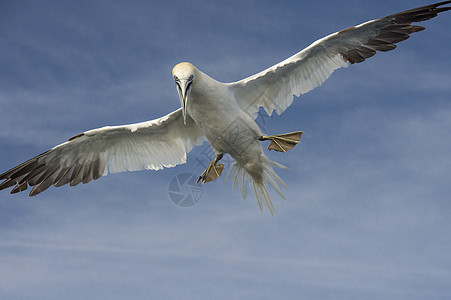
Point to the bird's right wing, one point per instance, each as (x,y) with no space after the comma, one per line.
(151,145)
(273,88)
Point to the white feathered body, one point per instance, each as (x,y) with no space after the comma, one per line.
(229,129)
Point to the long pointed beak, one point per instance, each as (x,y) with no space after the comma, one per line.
(184,89)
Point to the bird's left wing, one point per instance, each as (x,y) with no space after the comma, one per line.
(273,88)
(155,144)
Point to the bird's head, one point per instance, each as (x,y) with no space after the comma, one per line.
(183,74)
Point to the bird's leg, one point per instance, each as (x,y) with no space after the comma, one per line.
(213,170)
(282,142)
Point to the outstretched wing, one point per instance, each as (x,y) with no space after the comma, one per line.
(155,144)
(273,88)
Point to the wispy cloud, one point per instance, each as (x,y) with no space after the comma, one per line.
(366,215)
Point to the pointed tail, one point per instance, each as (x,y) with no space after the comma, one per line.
(242,177)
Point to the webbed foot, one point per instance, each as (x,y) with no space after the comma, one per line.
(212,172)
(282,142)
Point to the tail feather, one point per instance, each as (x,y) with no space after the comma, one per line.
(242,178)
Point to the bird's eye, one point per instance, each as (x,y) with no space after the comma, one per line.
(191,77)
(176,78)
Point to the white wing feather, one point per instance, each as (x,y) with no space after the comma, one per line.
(274,88)
(151,145)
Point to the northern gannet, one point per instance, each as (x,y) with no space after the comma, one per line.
(221,113)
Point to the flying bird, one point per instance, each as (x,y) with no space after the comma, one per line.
(221,113)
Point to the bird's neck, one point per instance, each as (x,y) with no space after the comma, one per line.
(208,97)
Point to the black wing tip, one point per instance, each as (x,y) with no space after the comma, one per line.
(397,31)
(7,183)
(20,187)
(11,172)
(442,9)
(41,176)
(420,14)
(431,7)
(442,3)
(34,192)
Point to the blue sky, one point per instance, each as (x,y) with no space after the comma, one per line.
(367,212)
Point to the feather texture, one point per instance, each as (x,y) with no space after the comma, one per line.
(274,88)
(152,145)
(242,178)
